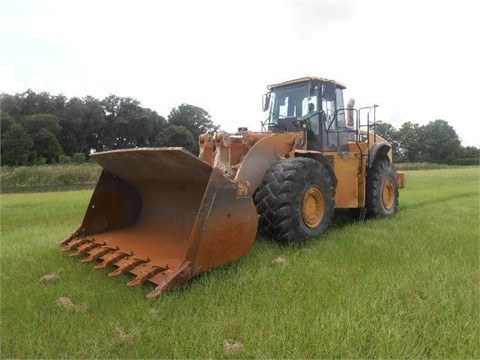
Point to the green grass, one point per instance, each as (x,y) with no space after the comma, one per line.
(405,287)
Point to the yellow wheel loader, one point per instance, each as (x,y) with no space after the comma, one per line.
(165,215)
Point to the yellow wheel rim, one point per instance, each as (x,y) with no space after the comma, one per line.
(388,194)
(313,207)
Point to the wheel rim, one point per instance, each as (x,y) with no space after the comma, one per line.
(313,207)
(388,194)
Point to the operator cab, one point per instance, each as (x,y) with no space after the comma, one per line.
(312,104)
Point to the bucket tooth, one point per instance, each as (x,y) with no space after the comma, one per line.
(170,280)
(77,234)
(111,258)
(125,265)
(97,253)
(67,239)
(76,243)
(85,248)
(144,272)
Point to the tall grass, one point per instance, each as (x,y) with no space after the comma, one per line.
(405,287)
(423,166)
(21,178)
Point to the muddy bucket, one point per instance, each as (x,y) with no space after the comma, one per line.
(165,216)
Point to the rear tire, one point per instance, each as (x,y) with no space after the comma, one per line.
(382,190)
(295,201)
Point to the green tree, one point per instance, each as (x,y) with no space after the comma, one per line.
(410,140)
(47,146)
(11,104)
(441,142)
(34,123)
(176,135)
(435,142)
(127,124)
(43,129)
(16,145)
(195,119)
(6,121)
(33,103)
(81,121)
(469,152)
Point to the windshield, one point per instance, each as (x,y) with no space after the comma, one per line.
(291,102)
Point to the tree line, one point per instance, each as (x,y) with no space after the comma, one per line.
(39,128)
(435,142)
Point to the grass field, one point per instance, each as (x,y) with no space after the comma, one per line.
(406,287)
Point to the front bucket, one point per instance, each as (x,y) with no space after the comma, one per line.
(163,215)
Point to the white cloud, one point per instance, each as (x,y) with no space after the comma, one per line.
(416,59)
(7,79)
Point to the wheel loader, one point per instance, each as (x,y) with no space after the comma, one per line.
(165,215)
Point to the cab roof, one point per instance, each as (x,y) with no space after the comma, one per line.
(305,79)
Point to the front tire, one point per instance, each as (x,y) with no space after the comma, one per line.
(382,190)
(295,201)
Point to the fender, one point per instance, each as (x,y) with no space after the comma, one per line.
(380,151)
(317,155)
(266,152)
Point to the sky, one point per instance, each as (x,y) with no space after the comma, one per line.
(416,59)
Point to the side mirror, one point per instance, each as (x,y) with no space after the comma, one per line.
(266,101)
